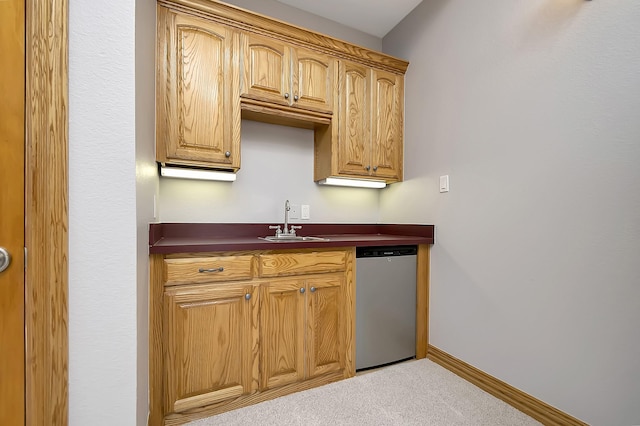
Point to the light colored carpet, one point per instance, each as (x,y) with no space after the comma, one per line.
(411,393)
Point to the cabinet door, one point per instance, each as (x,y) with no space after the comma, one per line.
(198,105)
(354,119)
(326,332)
(314,76)
(387,139)
(282,328)
(210,339)
(266,69)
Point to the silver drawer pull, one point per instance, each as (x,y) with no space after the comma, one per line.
(220,269)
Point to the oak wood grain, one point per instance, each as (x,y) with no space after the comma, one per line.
(386,138)
(12,301)
(215,268)
(354,139)
(46,233)
(282,332)
(197,92)
(208,344)
(218,346)
(157,339)
(422,301)
(280,264)
(263,25)
(325,339)
(350,314)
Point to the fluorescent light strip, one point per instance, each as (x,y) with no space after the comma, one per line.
(360,183)
(178,172)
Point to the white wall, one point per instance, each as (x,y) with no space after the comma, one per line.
(102,214)
(277,164)
(532,109)
(146,186)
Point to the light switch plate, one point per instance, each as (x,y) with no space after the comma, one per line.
(444,183)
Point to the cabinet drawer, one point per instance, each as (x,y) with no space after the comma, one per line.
(207,269)
(273,265)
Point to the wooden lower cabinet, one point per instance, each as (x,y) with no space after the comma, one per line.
(221,344)
(302,329)
(209,344)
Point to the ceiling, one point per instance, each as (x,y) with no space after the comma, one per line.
(375,17)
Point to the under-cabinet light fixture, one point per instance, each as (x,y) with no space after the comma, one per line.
(360,183)
(187,173)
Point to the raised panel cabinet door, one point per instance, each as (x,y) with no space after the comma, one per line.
(266,69)
(209,338)
(388,112)
(326,325)
(354,120)
(314,77)
(198,103)
(282,328)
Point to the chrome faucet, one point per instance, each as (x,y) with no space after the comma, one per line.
(287,231)
(287,207)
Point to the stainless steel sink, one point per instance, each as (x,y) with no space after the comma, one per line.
(292,238)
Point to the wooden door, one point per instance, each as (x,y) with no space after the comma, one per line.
(12,125)
(282,328)
(198,102)
(210,338)
(266,70)
(354,146)
(387,142)
(314,76)
(326,326)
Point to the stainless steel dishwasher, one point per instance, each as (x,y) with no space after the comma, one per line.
(385,305)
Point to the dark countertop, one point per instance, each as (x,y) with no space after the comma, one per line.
(167,238)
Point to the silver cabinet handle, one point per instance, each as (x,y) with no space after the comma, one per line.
(202,270)
(247,296)
(5,259)
(313,289)
(227,154)
(375,168)
(295,97)
(301,289)
(286,96)
(368,168)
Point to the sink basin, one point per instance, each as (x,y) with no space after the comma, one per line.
(290,238)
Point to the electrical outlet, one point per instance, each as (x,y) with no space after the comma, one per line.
(294,213)
(305,211)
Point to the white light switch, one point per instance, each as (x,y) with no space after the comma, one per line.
(444,183)
(305,211)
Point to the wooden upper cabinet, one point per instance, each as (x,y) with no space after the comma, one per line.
(198,106)
(209,347)
(354,120)
(387,139)
(365,139)
(276,72)
(266,69)
(314,77)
